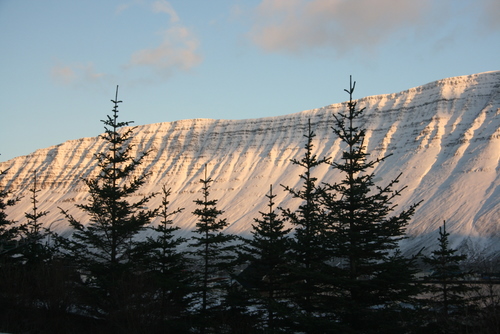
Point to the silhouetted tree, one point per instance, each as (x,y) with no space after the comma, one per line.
(33,283)
(8,230)
(309,268)
(8,276)
(267,255)
(35,246)
(487,297)
(101,247)
(214,251)
(372,280)
(166,265)
(450,293)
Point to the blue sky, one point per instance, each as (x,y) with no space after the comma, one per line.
(61,60)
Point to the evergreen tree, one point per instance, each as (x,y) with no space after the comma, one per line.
(35,247)
(33,283)
(35,263)
(168,266)
(267,255)
(102,246)
(214,250)
(309,267)
(8,230)
(372,278)
(449,291)
(8,233)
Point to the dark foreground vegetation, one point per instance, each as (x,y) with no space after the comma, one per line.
(338,269)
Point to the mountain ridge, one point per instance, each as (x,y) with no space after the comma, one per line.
(444,137)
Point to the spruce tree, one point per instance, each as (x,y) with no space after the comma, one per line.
(267,255)
(167,265)
(8,244)
(42,277)
(102,245)
(35,247)
(372,279)
(215,254)
(447,287)
(8,229)
(309,266)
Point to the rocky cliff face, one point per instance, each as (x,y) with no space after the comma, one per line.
(443,136)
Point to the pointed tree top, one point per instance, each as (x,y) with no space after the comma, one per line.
(115,101)
(351,86)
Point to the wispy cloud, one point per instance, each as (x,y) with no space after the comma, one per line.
(491,10)
(77,73)
(177,51)
(298,25)
(124,6)
(158,6)
(63,74)
(163,6)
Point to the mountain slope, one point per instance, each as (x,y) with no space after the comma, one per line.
(443,136)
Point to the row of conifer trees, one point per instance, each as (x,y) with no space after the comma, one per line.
(337,269)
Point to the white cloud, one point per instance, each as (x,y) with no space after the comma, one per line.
(158,6)
(63,74)
(163,6)
(491,10)
(177,51)
(124,6)
(78,73)
(299,25)
(90,74)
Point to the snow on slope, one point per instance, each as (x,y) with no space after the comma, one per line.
(443,136)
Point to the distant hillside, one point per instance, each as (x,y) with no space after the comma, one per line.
(443,136)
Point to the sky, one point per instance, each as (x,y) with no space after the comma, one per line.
(61,60)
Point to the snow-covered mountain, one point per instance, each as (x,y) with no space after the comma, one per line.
(443,136)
